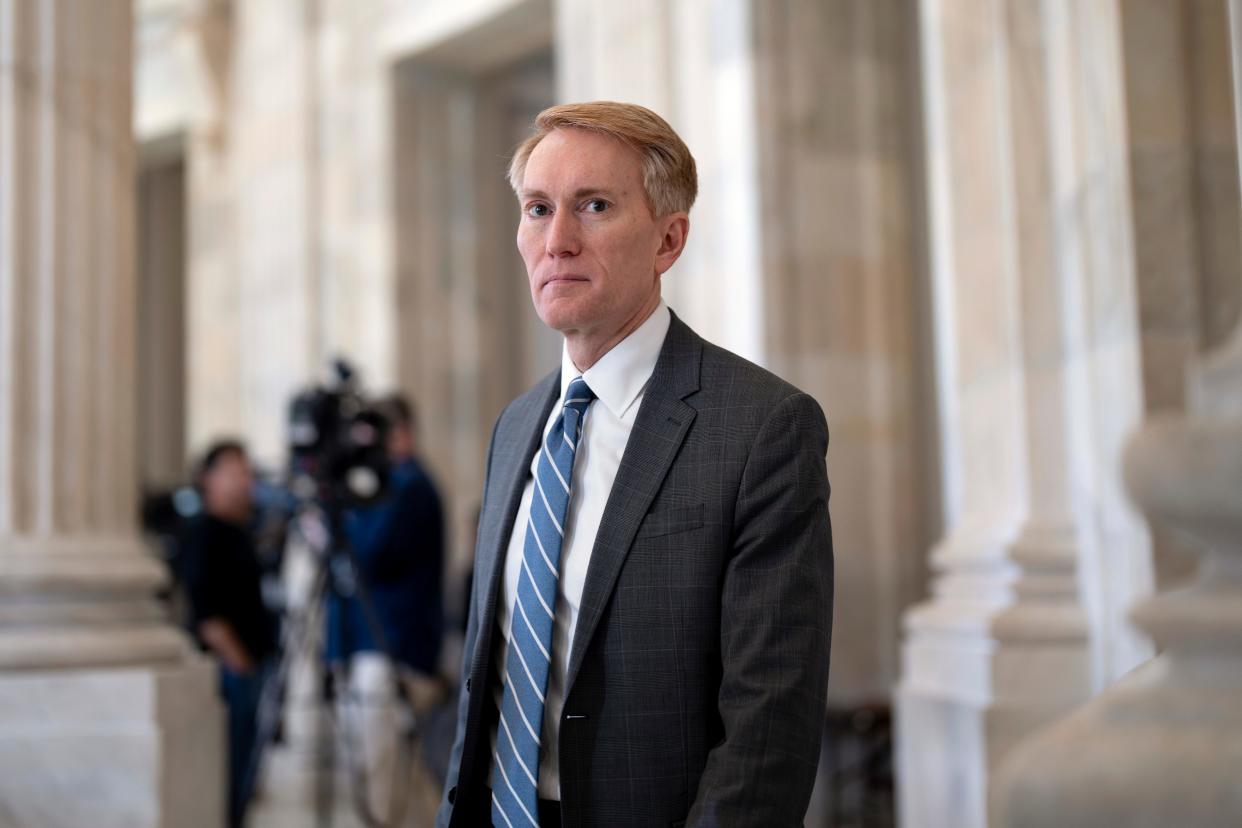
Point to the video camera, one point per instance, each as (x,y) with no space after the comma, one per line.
(338,461)
(337,444)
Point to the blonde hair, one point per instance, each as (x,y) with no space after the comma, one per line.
(669,176)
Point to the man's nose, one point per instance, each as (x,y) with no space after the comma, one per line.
(562,239)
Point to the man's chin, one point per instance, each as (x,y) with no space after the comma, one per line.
(561,318)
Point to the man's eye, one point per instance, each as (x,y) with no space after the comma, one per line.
(537,210)
(596,205)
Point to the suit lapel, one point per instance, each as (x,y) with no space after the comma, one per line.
(513,446)
(511,476)
(661,426)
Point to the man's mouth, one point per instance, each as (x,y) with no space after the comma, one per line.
(564,278)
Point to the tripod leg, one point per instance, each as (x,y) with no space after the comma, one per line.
(325,755)
(285,694)
(374,730)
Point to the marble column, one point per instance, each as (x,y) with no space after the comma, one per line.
(106,716)
(1161,746)
(836,118)
(274,205)
(1037,369)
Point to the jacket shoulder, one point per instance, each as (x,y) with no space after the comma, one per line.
(727,374)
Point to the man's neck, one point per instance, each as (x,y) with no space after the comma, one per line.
(586,349)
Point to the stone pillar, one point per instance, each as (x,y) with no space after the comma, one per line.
(1161,746)
(837,137)
(1037,368)
(106,716)
(275,210)
(214,333)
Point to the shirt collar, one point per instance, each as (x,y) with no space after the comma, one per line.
(619,376)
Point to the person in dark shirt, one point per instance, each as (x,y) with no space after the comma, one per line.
(398,550)
(227,615)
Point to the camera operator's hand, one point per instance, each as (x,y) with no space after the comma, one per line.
(243,667)
(218,634)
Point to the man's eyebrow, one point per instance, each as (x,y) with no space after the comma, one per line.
(581,192)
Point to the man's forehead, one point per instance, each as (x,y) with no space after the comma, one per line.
(579,161)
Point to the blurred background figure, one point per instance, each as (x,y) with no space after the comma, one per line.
(222,582)
(387,635)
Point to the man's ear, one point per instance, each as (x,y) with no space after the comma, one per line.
(675,228)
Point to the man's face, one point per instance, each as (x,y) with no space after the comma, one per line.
(593,251)
(228,486)
(400,442)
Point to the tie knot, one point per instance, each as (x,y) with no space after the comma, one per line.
(579,395)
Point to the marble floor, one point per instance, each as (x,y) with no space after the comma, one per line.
(294,792)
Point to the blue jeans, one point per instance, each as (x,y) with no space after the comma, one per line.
(241,694)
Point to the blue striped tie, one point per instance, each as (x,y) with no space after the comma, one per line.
(515,792)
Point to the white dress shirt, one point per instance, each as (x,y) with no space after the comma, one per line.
(618,379)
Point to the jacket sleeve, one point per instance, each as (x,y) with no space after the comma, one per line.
(775,629)
(477,593)
(463,708)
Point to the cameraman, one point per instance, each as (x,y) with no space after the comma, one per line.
(398,548)
(226,608)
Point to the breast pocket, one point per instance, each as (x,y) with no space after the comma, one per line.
(670,522)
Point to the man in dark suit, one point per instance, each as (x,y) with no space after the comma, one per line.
(649,630)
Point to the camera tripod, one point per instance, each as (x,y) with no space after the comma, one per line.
(336,577)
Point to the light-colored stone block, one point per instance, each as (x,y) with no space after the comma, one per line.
(138,747)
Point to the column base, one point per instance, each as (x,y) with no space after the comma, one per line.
(1155,749)
(948,750)
(940,762)
(969,695)
(138,747)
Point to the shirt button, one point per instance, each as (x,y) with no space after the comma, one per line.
(467,685)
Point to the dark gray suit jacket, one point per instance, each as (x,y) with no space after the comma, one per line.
(697,676)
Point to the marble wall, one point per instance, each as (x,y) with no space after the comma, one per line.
(161,412)
(1183,161)
(844,317)
(1188,232)
(277,189)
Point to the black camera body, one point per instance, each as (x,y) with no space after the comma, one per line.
(338,445)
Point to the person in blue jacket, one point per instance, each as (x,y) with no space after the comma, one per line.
(398,554)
